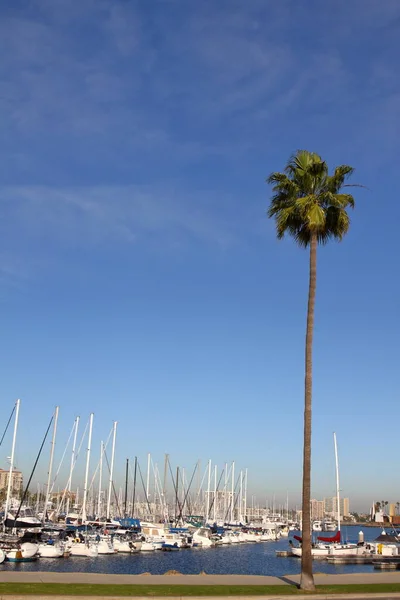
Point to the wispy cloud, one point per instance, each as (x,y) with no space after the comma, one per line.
(160,78)
(91,215)
(118,117)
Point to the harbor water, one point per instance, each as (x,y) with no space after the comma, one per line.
(246,559)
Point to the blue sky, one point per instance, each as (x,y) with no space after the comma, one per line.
(139,276)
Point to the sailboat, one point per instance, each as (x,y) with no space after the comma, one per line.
(330,546)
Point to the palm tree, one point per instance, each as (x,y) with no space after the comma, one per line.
(308,204)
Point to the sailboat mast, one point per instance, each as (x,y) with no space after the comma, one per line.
(232,491)
(134,488)
(166,459)
(148,476)
(12,460)
(100,479)
(126,487)
(245,496)
(111,470)
(53,443)
(225,491)
(38,499)
(215,494)
(337,480)
(176,494)
(240,497)
(208,490)
(84,516)
(71,469)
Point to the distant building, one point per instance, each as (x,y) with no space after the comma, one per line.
(331,506)
(16,481)
(346,507)
(317,510)
(379,516)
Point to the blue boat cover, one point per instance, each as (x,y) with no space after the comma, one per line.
(130,523)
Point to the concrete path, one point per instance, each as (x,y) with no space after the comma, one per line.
(144,579)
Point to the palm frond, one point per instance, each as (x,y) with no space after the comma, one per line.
(339,200)
(307,200)
(337,222)
(302,160)
(316,218)
(340,174)
(346,200)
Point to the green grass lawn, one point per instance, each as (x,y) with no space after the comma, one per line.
(84,589)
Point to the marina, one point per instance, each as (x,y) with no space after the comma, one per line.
(178,526)
(251,559)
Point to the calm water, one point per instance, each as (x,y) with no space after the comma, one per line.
(250,559)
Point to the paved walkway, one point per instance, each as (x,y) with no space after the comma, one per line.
(145,579)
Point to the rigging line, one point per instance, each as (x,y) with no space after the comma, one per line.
(30,478)
(9,420)
(134,487)
(187,492)
(62,459)
(201,485)
(112,483)
(219,481)
(144,489)
(173,483)
(157,489)
(98,464)
(73,467)
(231,499)
(133,477)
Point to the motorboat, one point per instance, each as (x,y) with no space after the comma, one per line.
(328,525)
(25,518)
(201,537)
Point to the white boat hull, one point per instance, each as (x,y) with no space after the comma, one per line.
(148,547)
(126,546)
(105,547)
(331,550)
(77,549)
(50,551)
(27,550)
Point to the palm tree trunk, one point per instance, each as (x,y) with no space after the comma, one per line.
(307,579)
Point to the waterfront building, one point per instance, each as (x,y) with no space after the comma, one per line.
(16,481)
(317,510)
(331,506)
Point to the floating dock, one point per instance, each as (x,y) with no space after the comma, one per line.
(361,559)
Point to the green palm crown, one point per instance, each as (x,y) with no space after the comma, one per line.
(307,200)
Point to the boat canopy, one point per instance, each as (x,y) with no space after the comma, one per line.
(385,538)
(127,523)
(335,539)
